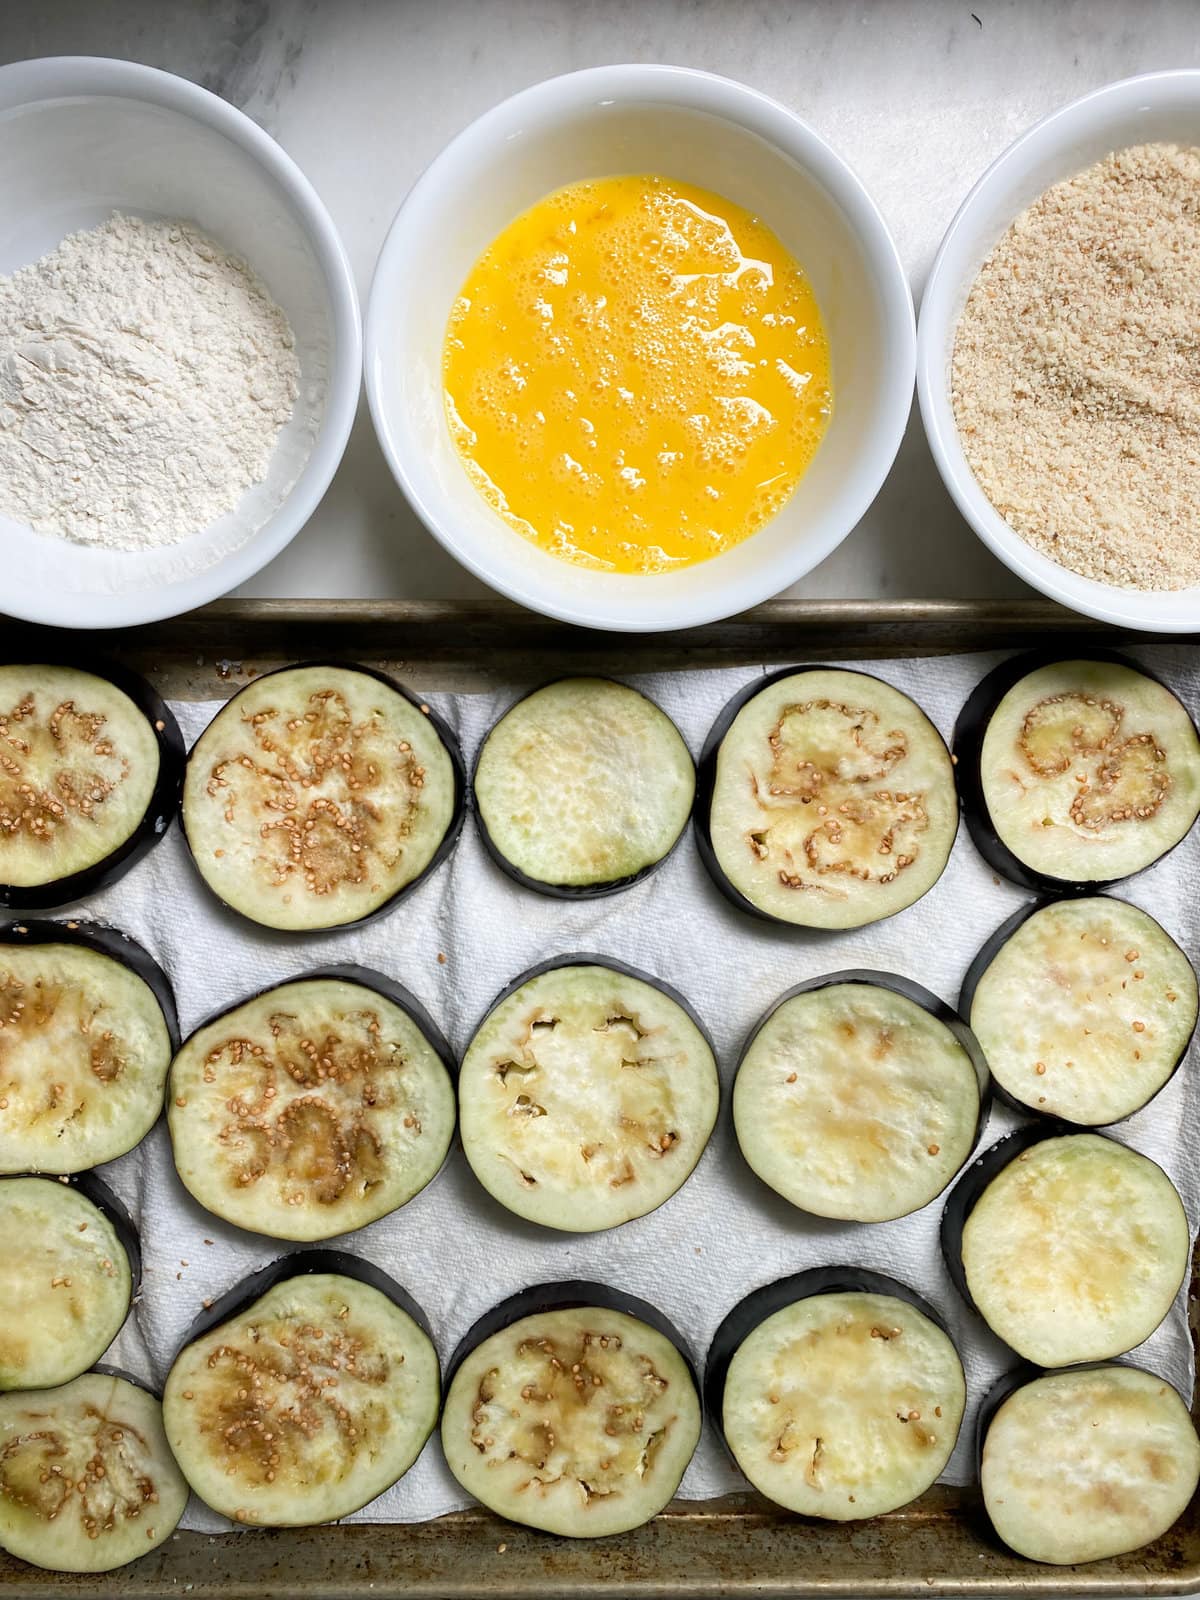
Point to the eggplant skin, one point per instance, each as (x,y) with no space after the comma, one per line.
(214,1179)
(570,1294)
(105,940)
(706,783)
(348,1394)
(303,1263)
(1016,1377)
(754,1308)
(706,780)
(576,959)
(567,891)
(159,813)
(124,1494)
(85,1135)
(908,989)
(100,1117)
(381,984)
(973,1181)
(781,1165)
(449,840)
(573,1409)
(838,1393)
(967,745)
(536,1159)
(1082,1463)
(1050,1327)
(992,948)
(93,1187)
(64,1339)
(366,978)
(1020,1376)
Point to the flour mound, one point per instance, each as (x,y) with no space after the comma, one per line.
(145,376)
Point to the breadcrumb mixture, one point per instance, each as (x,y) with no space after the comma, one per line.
(1076,371)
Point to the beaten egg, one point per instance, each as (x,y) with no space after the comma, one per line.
(636,374)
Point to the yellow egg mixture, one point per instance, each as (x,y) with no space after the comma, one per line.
(636,373)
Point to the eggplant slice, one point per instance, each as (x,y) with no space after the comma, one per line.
(1071,1247)
(827,799)
(1084,1008)
(587,1095)
(572,1408)
(87,1028)
(1080,1465)
(310,1389)
(320,793)
(313,1108)
(583,787)
(837,1391)
(1075,773)
(68,1272)
(859,1096)
(87,1481)
(90,771)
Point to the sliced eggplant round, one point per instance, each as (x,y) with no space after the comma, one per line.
(68,1271)
(587,1095)
(826,799)
(319,794)
(87,1028)
(313,1108)
(583,787)
(90,769)
(87,1481)
(1088,1463)
(1075,773)
(572,1408)
(837,1391)
(1084,1008)
(1071,1247)
(305,1392)
(859,1096)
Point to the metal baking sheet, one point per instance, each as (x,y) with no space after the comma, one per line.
(735,1547)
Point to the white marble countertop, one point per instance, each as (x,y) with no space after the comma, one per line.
(919,95)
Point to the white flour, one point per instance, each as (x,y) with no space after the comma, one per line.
(145,375)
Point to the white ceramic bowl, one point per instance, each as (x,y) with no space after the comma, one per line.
(700,129)
(1155,106)
(82,137)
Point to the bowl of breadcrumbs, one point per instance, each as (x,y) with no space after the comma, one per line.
(1058,363)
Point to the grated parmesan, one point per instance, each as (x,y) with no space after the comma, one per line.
(1076,371)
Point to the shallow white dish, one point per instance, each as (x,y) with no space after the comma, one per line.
(1156,106)
(82,137)
(690,126)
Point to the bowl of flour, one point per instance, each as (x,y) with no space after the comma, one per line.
(180,345)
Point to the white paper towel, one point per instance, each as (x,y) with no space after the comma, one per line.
(724,1233)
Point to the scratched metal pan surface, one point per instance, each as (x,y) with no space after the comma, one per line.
(736,1547)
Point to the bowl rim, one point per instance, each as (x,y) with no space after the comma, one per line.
(1089,596)
(642,83)
(45,79)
